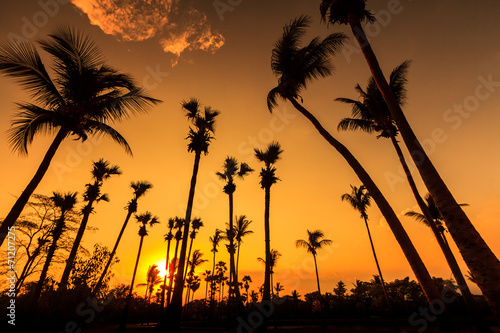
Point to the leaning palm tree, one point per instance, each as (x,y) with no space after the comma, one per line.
(144,219)
(65,203)
(297,65)
(139,189)
(231,169)
(196,224)
(476,253)
(267,178)
(314,243)
(81,98)
(360,199)
(101,170)
(200,136)
(241,229)
(371,114)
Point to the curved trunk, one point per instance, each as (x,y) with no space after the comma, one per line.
(18,207)
(71,258)
(317,275)
(482,262)
(399,232)
(111,256)
(174,311)
(123,322)
(450,258)
(267,274)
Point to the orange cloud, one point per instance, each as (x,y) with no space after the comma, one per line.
(138,20)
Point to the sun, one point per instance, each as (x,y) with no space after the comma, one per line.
(161,268)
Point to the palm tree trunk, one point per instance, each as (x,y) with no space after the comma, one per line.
(167,268)
(445,248)
(123,322)
(430,290)
(317,275)
(238,261)
(231,251)
(482,262)
(174,311)
(18,207)
(175,267)
(267,273)
(187,259)
(111,256)
(71,258)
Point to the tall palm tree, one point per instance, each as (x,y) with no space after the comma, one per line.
(168,237)
(101,170)
(267,178)
(231,169)
(174,263)
(200,136)
(65,202)
(371,114)
(144,219)
(295,66)
(139,188)
(196,224)
(359,199)
(476,253)
(241,229)
(215,240)
(314,243)
(81,98)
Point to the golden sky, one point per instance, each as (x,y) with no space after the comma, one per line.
(178,50)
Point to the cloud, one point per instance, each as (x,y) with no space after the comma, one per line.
(178,29)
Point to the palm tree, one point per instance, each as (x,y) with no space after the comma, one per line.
(65,202)
(279,287)
(371,114)
(359,199)
(476,253)
(215,240)
(247,280)
(196,225)
(295,66)
(179,224)
(168,237)
(145,219)
(273,260)
(241,229)
(152,279)
(267,178)
(195,262)
(82,98)
(139,189)
(200,136)
(230,170)
(314,243)
(101,170)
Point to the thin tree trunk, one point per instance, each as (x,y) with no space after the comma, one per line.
(169,274)
(174,311)
(317,275)
(187,259)
(448,254)
(18,207)
(111,256)
(482,262)
(175,267)
(430,290)
(123,322)
(71,258)
(267,273)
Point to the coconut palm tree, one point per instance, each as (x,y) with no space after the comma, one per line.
(139,188)
(241,229)
(231,169)
(371,114)
(200,136)
(144,219)
(267,178)
(476,253)
(295,67)
(101,170)
(65,202)
(359,199)
(314,243)
(153,278)
(196,224)
(168,237)
(81,98)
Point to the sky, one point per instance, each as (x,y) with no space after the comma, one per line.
(219,52)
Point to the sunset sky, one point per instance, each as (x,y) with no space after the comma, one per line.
(220,54)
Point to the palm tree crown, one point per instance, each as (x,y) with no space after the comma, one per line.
(314,241)
(338,11)
(270,156)
(296,65)
(359,199)
(200,134)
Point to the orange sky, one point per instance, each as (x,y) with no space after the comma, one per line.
(178,51)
